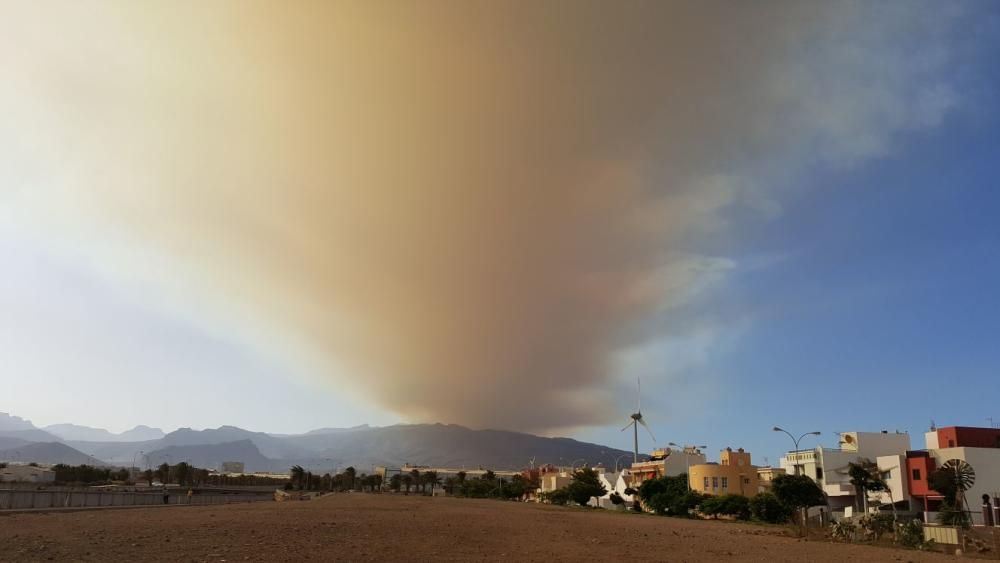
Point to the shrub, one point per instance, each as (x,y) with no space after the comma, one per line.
(711,506)
(558,496)
(911,534)
(875,525)
(616,499)
(843,531)
(737,506)
(766,507)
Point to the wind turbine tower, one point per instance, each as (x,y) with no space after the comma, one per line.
(636,421)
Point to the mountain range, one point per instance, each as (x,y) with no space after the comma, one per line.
(326,449)
(87,434)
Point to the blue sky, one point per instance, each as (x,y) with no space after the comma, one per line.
(787,218)
(882,310)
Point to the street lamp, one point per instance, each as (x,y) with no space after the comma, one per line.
(795,441)
(687,459)
(619,458)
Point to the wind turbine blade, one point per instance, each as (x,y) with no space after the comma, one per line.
(638,384)
(628,425)
(646,426)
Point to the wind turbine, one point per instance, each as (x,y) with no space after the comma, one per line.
(636,421)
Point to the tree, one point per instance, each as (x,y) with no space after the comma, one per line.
(148,476)
(350,474)
(298,476)
(559,496)
(766,507)
(669,495)
(182,471)
(407,482)
(460,476)
(431,478)
(586,484)
(519,487)
(797,492)
(866,477)
(417,481)
(163,473)
(395,482)
(737,506)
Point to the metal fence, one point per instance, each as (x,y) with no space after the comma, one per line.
(22,499)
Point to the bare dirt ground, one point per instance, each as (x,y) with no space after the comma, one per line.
(356,527)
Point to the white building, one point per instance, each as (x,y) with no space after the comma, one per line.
(828,466)
(613,483)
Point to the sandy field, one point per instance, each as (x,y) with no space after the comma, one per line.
(359,527)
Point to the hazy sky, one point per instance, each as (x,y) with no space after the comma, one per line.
(499,214)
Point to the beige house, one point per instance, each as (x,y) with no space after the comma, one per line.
(734,474)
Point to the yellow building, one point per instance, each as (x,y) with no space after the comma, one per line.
(734,474)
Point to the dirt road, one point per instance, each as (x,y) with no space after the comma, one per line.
(356,527)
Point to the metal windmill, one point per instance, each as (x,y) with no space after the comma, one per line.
(963,476)
(636,421)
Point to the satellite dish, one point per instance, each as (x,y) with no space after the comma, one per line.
(848,439)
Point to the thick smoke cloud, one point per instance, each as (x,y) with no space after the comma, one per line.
(461,210)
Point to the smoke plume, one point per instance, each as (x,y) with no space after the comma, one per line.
(460,210)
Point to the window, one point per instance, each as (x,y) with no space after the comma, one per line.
(746,480)
(715,482)
(706,483)
(916,474)
(725,482)
(819,472)
(886,475)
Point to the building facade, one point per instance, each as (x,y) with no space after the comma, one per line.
(765,475)
(667,462)
(978,447)
(734,474)
(829,466)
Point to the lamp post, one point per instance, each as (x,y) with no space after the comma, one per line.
(619,458)
(796,442)
(687,459)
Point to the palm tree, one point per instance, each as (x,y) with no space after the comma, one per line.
(416,479)
(407,481)
(431,478)
(866,477)
(350,474)
(461,477)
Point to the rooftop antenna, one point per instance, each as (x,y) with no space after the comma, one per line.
(636,421)
(532,461)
